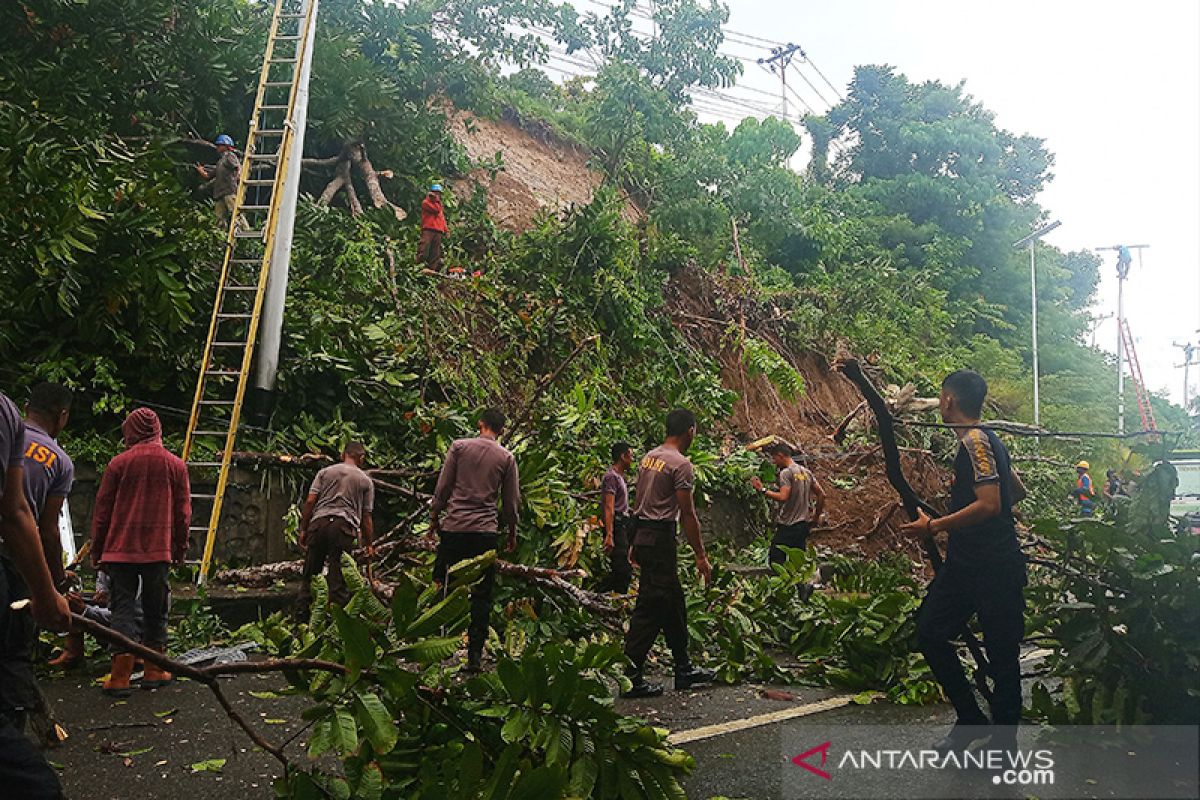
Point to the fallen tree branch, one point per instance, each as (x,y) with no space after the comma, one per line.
(909,498)
(553,579)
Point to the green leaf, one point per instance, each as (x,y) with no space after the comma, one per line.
(376,722)
(209,765)
(428,651)
(344,732)
(450,613)
(370,783)
(356,636)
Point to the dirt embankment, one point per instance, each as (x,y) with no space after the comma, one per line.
(537,170)
(863,512)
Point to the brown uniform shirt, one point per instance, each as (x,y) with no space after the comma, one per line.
(662,472)
(798,507)
(477,471)
(344,491)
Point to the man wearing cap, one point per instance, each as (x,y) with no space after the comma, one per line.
(222,180)
(1084,493)
(799,499)
(139,528)
(433,229)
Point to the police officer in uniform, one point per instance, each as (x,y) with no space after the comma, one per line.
(664,499)
(984,573)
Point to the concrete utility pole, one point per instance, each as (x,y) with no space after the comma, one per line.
(1031,241)
(780,60)
(1190,351)
(271,334)
(1124,261)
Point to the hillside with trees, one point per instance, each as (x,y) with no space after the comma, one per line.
(597,307)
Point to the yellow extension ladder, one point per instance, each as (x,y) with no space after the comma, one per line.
(229,350)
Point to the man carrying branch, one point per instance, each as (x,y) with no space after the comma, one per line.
(664,496)
(984,572)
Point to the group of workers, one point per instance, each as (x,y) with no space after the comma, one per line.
(1084,493)
(142,515)
(139,528)
(221,181)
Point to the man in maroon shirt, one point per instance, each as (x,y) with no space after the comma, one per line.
(477,472)
(139,528)
(614,514)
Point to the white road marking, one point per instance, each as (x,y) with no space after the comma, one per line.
(733,726)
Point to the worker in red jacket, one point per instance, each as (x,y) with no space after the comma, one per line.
(139,528)
(433,229)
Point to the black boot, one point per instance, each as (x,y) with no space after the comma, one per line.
(962,736)
(641,687)
(806,592)
(687,676)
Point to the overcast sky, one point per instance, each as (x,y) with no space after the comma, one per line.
(1113,88)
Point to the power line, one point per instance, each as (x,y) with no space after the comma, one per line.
(810,83)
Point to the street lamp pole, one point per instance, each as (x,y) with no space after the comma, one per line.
(1030,241)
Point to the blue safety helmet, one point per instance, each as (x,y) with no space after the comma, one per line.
(225,140)
(437,187)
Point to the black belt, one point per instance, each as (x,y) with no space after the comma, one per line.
(656,524)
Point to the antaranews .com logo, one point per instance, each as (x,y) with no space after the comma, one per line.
(1009,767)
(864,762)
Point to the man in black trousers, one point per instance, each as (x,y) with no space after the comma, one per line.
(478,472)
(664,496)
(984,573)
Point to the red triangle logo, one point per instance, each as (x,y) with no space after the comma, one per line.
(802,760)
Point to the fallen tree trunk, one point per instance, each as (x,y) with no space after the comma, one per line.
(552,579)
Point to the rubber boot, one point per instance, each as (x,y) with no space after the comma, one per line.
(155,676)
(72,652)
(962,736)
(117,682)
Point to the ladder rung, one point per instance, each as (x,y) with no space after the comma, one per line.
(283,61)
(222,372)
(232,288)
(228,344)
(291,16)
(204,463)
(216,402)
(269,132)
(248,234)
(264,156)
(197,527)
(273,107)
(275,84)
(235,316)
(245,261)
(210,433)
(260,182)
(254,208)
(204,497)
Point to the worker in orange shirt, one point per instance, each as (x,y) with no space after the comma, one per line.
(433,229)
(1084,492)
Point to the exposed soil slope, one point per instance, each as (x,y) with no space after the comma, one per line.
(538,172)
